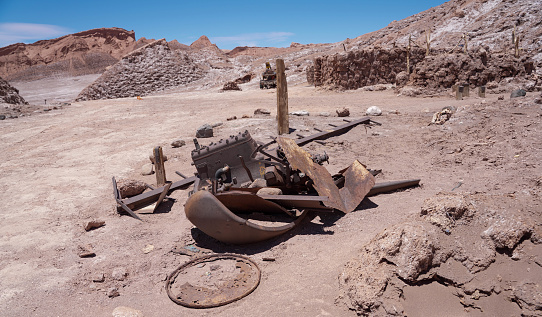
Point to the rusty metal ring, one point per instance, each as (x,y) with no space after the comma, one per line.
(219,299)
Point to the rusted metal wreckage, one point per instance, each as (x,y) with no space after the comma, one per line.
(286,183)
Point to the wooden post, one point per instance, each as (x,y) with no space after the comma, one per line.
(408,54)
(459,93)
(466,92)
(282,99)
(159,166)
(428,41)
(482,91)
(466,39)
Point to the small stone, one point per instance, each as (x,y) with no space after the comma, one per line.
(147,169)
(130,187)
(344,112)
(269,191)
(262,111)
(258,182)
(500,98)
(518,93)
(373,111)
(98,278)
(148,248)
(232,118)
(205,131)
(246,116)
(324,114)
(119,273)
(178,143)
(113,292)
(300,113)
(86,251)
(123,311)
(2,117)
(94,224)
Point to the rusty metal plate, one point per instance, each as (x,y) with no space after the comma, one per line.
(358,180)
(213,280)
(212,217)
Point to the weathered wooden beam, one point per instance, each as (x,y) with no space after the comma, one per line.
(282,99)
(159,166)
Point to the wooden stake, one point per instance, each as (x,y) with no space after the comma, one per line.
(282,99)
(408,54)
(159,166)
(428,41)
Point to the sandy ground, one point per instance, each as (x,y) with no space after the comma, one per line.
(56,172)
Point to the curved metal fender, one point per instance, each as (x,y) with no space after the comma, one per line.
(207,213)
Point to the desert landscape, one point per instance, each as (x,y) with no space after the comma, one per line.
(78,110)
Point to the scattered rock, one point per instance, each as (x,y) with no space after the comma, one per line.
(245,116)
(262,111)
(119,273)
(231,86)
(205,131)
(258,182)
(148,248)
(86,251)
(98,278)
(94,224)
(2,117)
(113,292)
(518,93)
(178,143)
(373,111)
(147,169)
(529,296)
(123,311)
(300,113)
(506,233)
(232,118)
(269,191)
(344,112)
(500,98)
(441,116)
(444,209)
(130,187)
(324,114)
(401,78)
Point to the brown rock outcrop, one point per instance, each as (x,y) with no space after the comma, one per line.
(88,52)
(9,94)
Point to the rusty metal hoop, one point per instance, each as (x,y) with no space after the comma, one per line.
(218,300)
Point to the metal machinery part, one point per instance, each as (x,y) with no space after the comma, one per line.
(224,291)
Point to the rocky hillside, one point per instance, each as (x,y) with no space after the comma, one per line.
(487,23)
(151,68)
(9,94)
(88,52)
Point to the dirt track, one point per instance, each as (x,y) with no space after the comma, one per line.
(56,175)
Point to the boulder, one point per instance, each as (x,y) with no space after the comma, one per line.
(205,131)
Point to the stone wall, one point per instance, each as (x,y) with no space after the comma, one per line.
(440,70)
(360,68)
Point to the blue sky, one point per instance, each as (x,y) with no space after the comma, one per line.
(227,23)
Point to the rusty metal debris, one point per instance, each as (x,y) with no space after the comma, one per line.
(212,283)
(222,208)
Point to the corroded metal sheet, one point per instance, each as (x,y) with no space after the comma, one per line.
(358,181)
(211,216)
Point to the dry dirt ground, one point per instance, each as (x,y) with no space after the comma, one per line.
(56,170)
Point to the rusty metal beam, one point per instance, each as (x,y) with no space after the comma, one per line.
(148,198)
(337,130)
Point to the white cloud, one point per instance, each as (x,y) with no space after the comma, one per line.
(252,39)
(11,33)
